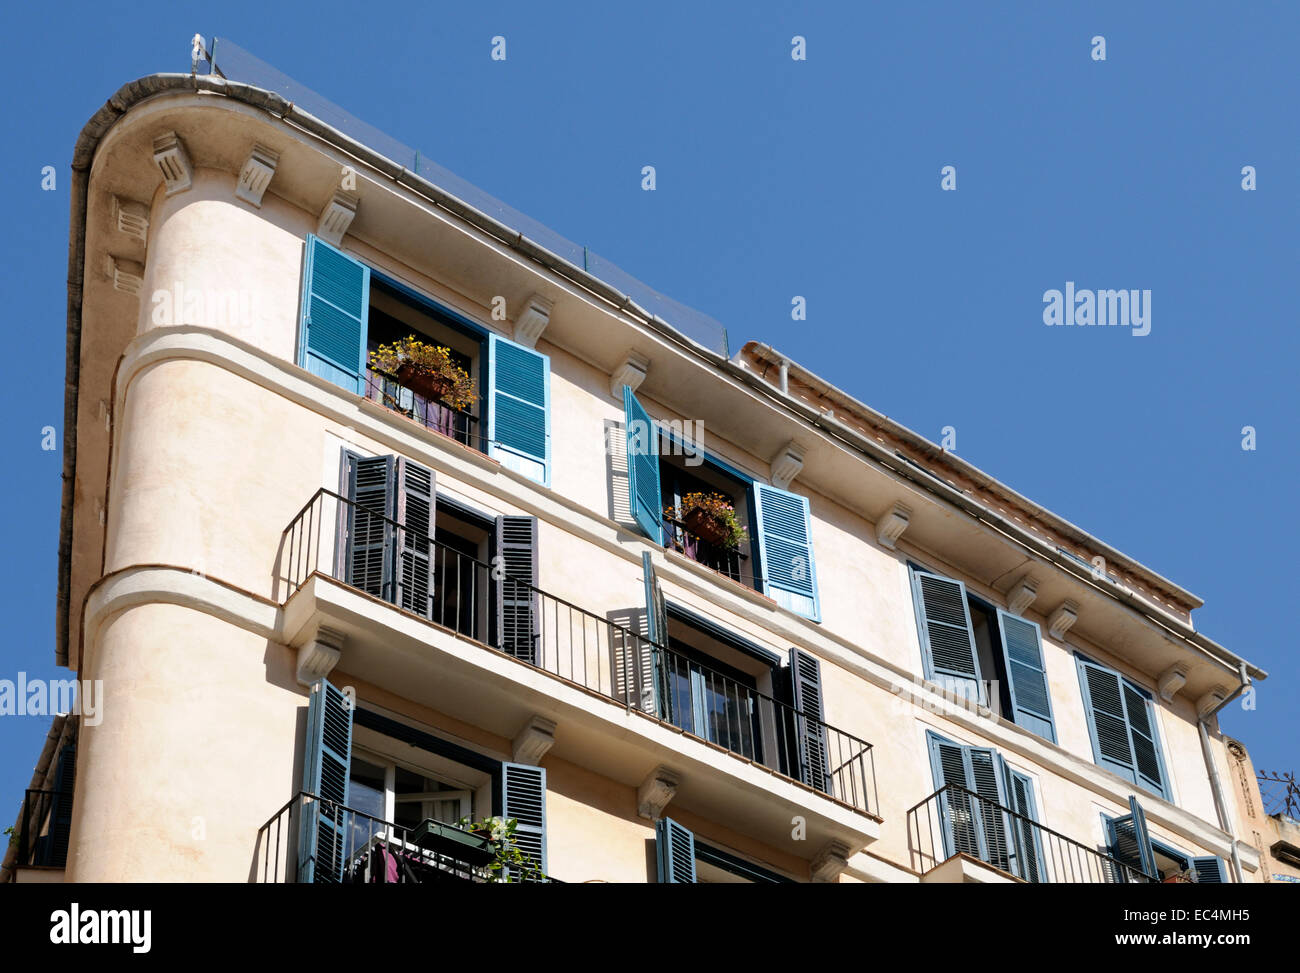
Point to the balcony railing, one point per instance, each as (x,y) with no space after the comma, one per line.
(457,424)
(734,564)
(954,820)
(364,849)
(43,829)
(344,540)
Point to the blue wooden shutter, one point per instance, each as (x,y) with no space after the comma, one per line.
(643,490)
(979,828)
(1022,651)
(519,408)
(65,775)
(414,511)
(814,747)
(986,775)
(1146,750)
(1130,842)
(1209,868)
(956,809)
(523,797)
(326,766)
(947,638)
(1027,845)
(785,550)
(515,580)
(368,544)
(647,684)
(674,852)
(335,311)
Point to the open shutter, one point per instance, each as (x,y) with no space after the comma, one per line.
(1210,868)
(65,775)
(947,639)
(785,550)
(957,809)
(643,490)
(1142,734)
(985,771)
(1107,719)
(1027,844)
(523,797)
(1022,650)
(1130,842)
(326,767)
(806,693)
(335,309)
(644,670)
(519,408)
(515,579)
(414,512)
(368,541)
(675,852)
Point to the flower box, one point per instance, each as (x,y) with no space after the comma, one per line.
(423,382)
(454,842)
(706,527)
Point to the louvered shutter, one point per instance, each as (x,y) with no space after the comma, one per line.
(674,852)
(785,551)
(1130,842)
(947,638)
(1209,868)
(1022,651)
(519,409)
(644,671)
(1027,846)
(414,512)
(643,488)
(957,809)
(1142,734)
(368,542)
(523,797)
(1107,719)
(335,310)
(515,581)
(65,775)
(325,770)
(986,774)
(813,745)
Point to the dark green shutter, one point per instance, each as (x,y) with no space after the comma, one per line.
(65,776)
(643,489)
(1130,842)
(515,581)
(368,532)
(414,512)
(947,638)
(1022,651)
(1209,868)
(784,523)
(523,797)
(519,409)
(647,683)
(326,767)
(813,745)
(674,852)
(335,310)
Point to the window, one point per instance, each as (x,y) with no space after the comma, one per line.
(965,640)
(1122,726)
(682,859)
(348,310)
(1130,843)
(978,791)
(779,561)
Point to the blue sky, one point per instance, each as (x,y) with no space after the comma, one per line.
(818,178)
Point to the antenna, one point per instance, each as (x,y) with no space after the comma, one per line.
(1280,792)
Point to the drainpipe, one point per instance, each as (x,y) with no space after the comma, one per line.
(785,376)
(1215,786)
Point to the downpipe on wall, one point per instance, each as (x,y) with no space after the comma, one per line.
(1216,787)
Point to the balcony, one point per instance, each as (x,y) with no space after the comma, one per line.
(456,424)
(955,835)
(351,847)
(733,564)
(496,650)
(42,835)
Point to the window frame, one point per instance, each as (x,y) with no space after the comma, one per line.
(1167,791)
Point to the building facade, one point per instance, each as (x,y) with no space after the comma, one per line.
(333,615)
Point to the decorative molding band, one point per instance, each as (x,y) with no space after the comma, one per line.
(173,162)
(532,320)
(256,174)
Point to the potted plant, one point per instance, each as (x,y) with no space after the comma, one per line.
(712,518)
(509,862)
(426,369)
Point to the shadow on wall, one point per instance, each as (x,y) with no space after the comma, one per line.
(620,507)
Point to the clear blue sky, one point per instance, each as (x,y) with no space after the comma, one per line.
(820,179)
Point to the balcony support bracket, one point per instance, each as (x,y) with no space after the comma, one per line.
(534,740)
(318,657)
(655,792)
(830,862)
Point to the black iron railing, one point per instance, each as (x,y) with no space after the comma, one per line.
(458,424)
(954,820)
(43,829)
(351,543)
(734,564)
(363,849)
